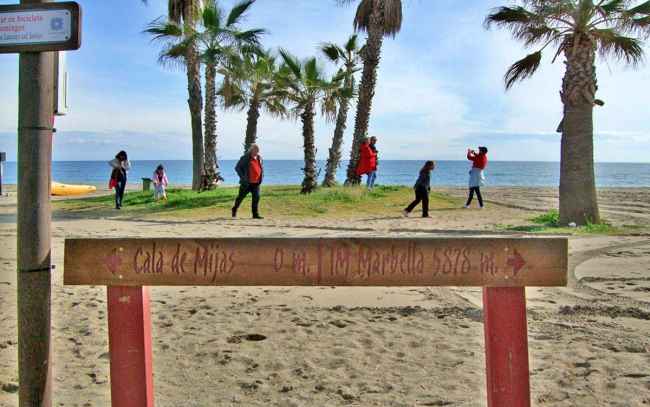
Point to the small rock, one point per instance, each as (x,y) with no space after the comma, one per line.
(10,387)
(346,394)
(338,323)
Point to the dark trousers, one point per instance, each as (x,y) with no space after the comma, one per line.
(119,192)
(478,195)
(421,195)
(244,189)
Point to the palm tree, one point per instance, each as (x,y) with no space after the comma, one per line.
(306,87)
(219,38)
(578,30)
(251,81)
(378,18)
(348,57)
(185,12)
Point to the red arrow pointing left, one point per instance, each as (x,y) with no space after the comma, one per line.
(113,262)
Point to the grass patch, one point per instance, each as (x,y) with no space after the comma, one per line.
(548,219)
(277,202)
(549,223)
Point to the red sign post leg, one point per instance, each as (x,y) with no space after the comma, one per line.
(129,334)
(506,347)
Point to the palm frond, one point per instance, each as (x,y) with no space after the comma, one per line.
(362,16)
(393,17)
(251,38)
(232,95)
(509,17)
(172,56)
(585,11)
(612,44)
(275,106)
(175,10)
(161,29)
(332,51)
(613,6)
(238,11)
(211,17)
(352,43)
(643,8)
(535,34)
(522,69)
(641,24)
(329,106)
(291,62)
(312,73)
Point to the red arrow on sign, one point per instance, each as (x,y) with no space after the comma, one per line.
(516,262)
(113,261)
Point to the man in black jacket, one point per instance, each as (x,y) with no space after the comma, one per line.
(251,173)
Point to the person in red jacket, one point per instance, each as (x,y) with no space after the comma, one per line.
(476,179)
(251,173)
(368,161)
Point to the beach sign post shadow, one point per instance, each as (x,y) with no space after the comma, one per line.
(503,267)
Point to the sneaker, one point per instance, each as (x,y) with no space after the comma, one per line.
(426,216)
(258,217)
(481,207)
(466,206)
(405,213)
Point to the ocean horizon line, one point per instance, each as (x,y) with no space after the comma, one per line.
(325,159)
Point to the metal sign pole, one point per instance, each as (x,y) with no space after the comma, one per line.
(36,89)
(3,158)
(36,29)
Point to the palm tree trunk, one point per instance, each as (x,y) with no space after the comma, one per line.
(337,141)
(371,55)
(211,168)
(195,100)
(309,182)
(251,123)
(578,199)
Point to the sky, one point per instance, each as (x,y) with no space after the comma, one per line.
(440,89)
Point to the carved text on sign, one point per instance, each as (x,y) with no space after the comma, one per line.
(317,261)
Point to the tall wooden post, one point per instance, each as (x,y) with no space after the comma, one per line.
(129,341)
(36,86)
(506,346)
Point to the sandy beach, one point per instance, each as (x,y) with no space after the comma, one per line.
(269,346)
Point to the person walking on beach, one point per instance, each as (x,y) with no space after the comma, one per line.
(476,179)
(121,166)
(368,161)
(160,183)
(422,188)
(251,173)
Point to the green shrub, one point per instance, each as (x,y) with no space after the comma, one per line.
(550,218)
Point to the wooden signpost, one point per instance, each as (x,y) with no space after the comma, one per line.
(502,266)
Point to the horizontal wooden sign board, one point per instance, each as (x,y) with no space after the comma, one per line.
(40,27)
(487,262)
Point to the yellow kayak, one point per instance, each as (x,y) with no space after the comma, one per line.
(66,189)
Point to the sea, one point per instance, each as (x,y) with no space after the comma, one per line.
(391,172)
